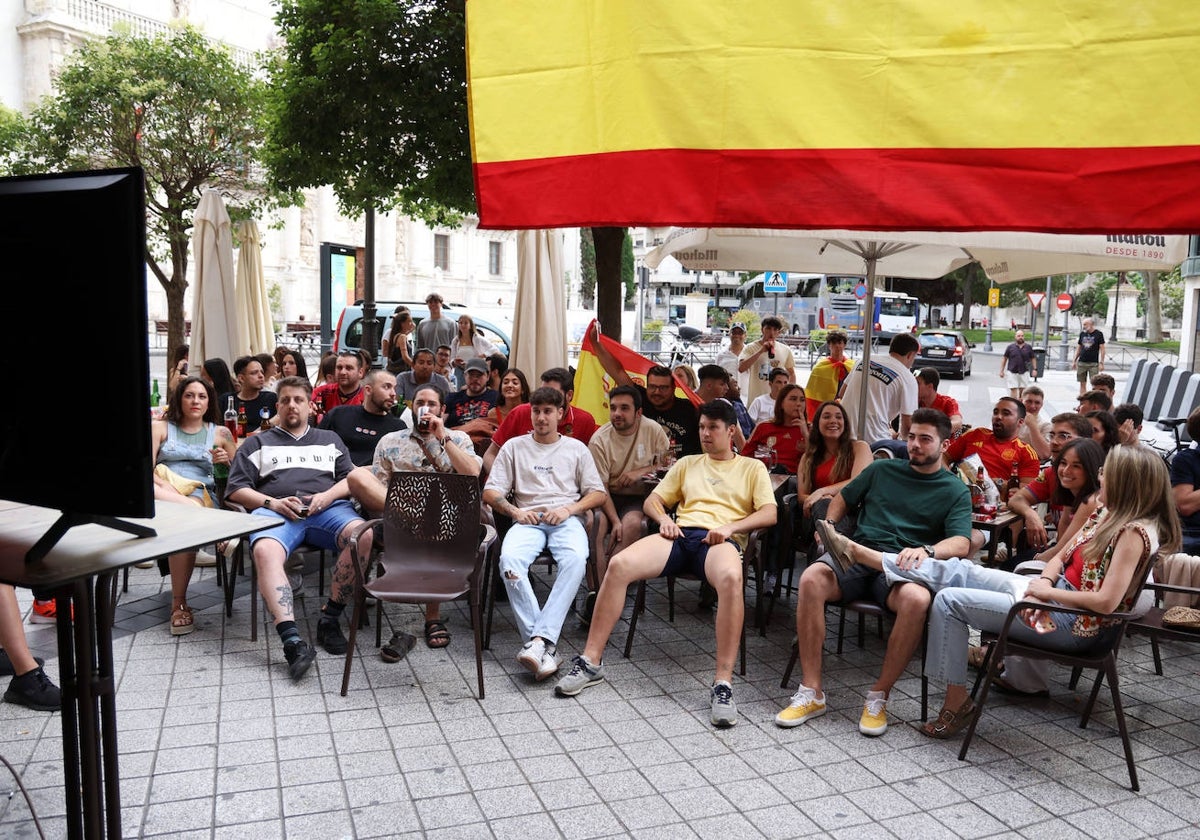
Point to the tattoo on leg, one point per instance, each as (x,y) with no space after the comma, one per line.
(344,593)
(285,599)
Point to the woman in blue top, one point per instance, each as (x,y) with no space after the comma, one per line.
(186,445)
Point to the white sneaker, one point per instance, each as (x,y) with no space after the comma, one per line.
(205,560)
(531,654)
(550,663)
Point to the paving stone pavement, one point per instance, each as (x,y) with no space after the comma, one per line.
(217,742)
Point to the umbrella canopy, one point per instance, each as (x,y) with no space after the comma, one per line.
(540,324)
(920,254)
(214,308)
(255,330)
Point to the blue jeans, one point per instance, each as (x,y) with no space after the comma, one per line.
(969,595)
(569,544)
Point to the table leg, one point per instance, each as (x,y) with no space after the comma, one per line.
(89,714)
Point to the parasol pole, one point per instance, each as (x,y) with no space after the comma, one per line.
(868,336)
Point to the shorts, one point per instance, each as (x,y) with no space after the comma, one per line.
(319,530)
(1084,371)
(860,583)
(1017,380)
(688,554)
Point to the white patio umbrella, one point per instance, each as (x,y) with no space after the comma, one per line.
(540,322)
(214,309)
(255,330)
(1011,256)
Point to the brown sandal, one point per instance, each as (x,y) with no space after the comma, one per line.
(951,721)
(182,621)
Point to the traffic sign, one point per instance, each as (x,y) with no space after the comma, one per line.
(775,281)
(993,297)
(1035,299)
(1064,302)
(860,291)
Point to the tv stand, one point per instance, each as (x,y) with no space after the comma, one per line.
(69,520)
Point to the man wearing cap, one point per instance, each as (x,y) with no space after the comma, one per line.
(467,410)
(435,330)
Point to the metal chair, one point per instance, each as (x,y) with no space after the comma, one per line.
(434,550)
(1102,658)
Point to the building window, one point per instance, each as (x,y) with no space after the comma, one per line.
(441,251)
(495,258)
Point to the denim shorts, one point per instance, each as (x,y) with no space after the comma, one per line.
(318,530)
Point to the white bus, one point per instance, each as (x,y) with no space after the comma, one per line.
(895,312)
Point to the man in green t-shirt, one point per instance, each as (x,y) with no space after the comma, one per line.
(915,508)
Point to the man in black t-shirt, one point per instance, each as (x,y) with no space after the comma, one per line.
(678,417)
(259,404)
(361,426)
(467,410)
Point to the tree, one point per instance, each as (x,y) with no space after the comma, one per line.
(587,268)
(628,268)
(12,135)
(173,104)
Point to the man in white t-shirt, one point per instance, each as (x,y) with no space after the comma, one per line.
(731,357)
(891,391)
(764,356)
(763,407)
(552,479)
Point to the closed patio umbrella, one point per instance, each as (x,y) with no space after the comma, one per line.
(539,325)
(214,308)
(255,330)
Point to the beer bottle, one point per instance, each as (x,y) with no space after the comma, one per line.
(231,419)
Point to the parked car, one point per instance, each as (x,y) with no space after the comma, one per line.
(946,351)
(348,335)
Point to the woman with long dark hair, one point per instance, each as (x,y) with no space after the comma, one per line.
(216,373)
(784,434)
(1104,429)
(185,446)
(397,349)
(514,391)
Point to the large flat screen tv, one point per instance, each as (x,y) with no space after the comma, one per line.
(75,426)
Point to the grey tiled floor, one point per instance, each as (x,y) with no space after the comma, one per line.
(216,742)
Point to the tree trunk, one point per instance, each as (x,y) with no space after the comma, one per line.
(968,282)
(1153,305)
(610,290)
(175,322)
(175,286)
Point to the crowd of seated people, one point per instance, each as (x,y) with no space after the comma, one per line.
(865,525)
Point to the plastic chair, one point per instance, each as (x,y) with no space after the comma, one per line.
(1102,658)
(434,549)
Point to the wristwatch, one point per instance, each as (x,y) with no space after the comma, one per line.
(267,503)
(928,549)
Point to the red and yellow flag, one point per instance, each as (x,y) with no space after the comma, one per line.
(592,383)
(1071,116)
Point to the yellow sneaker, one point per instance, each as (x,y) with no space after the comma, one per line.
(873,722)
(804,705)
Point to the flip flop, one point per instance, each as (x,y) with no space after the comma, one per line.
(951,721)
(436,634)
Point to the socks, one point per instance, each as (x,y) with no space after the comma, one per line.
(333,609)
(287,631)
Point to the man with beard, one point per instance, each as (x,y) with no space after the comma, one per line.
(914,508)
(346,389)
(297,474)
(467,410)
(1017,365)
(422,373)
(250,399)
(999,447)
(361,426)
(430,447)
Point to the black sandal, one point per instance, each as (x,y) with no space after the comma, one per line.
(436,634)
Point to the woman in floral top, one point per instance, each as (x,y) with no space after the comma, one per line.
(1100,569)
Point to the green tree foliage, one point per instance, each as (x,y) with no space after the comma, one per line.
(628,268)
(173,104)
(12,136)
(370,97)
(587,268)
(1171,285)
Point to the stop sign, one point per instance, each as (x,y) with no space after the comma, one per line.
(1064,301)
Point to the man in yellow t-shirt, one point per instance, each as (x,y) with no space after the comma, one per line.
(719,498)
(828,373)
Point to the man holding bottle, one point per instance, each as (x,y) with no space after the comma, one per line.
(763,356)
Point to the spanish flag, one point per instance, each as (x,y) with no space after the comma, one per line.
(592,383)
(1070,116)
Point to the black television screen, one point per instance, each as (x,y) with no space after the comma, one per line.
(75,427)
